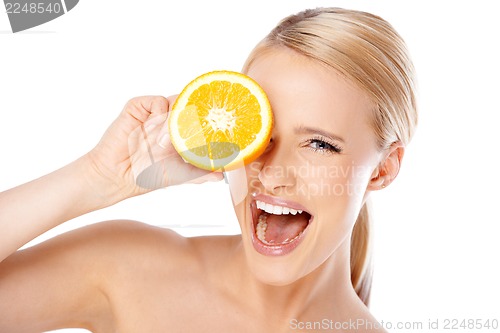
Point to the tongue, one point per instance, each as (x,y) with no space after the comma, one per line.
(283,227)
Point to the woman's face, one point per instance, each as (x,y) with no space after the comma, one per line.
(321,158)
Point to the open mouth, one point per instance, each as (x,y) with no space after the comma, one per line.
(278,227)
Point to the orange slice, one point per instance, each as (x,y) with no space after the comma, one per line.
(221,120)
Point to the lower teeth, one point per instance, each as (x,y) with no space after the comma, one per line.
(261,228)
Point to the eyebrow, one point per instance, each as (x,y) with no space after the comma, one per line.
(315,130)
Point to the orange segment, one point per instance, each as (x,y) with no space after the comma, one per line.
(221,120)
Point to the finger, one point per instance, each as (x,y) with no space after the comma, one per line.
(154,122)
(135,113)
(156,109)
(158,105)
(139,108)
(163,139)
(171,101)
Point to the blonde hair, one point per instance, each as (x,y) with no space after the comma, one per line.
(368,51)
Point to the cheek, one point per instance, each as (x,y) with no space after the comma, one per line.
(337,192)
(334,182)
(242,182)
(357,182)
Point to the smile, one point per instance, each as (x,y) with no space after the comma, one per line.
(278,225)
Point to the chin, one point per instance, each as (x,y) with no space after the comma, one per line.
(277,271)
(274,278)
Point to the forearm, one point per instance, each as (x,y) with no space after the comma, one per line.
(31,209)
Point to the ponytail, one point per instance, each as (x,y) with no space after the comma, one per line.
(361,266)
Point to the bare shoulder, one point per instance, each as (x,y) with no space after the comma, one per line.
(159,270)
(127,235)
(94,276)
(124,243)
(145,247)
(104,251)
(132,252)
(134,249)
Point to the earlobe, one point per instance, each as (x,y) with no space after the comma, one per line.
(388,169)
(377,181)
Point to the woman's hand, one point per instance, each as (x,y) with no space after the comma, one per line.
(135,154)
(133,157)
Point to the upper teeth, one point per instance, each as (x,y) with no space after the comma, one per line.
(277,210)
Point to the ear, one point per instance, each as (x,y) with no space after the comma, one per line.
(388,169)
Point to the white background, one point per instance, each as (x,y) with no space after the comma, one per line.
(436,228)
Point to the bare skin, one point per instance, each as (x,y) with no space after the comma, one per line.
(125,276)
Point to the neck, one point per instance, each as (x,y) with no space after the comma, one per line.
(325,291)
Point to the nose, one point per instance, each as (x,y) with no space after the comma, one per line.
(276,171)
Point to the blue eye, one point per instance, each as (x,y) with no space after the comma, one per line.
(322,146)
